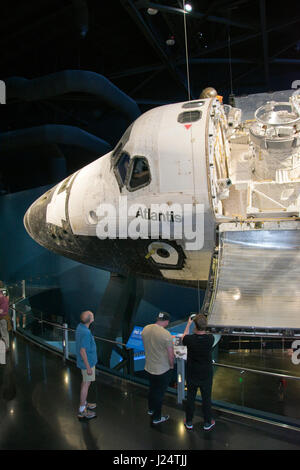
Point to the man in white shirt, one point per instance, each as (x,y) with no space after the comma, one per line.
(159,351)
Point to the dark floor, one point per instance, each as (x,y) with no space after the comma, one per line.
(38,404)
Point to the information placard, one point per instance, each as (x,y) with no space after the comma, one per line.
(135,341)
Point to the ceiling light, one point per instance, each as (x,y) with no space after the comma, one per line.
(152,11)
(188,7)
(170,41)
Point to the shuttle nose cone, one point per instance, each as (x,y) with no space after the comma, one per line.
(35,220)
(57,238)
(26,222)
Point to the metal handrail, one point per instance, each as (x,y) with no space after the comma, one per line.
(227,366)
(58,325)
(256,371)
(62,327)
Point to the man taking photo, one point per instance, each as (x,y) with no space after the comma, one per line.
(199,369)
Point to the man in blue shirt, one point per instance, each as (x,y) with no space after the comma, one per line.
(86,354)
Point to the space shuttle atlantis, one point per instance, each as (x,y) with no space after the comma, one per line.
(229,176)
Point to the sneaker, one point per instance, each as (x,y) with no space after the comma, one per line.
(161,420)
(208,426)
(86,414)
(150,412)
(91,406)
(188,425)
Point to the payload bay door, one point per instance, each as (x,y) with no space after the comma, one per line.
(254,285)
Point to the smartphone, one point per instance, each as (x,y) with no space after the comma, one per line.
(193,316)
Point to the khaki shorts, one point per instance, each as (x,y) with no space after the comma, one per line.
(89,378)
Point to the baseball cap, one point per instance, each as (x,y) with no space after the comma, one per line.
(163,316)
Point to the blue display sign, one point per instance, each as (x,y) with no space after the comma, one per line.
(135,341)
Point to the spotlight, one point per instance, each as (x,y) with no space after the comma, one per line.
(188,7)
(152,11)
(170,41)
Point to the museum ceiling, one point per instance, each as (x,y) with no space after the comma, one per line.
(142,52)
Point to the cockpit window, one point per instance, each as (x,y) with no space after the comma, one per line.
(193,104)
(140,174)
(189,116)
(122,166)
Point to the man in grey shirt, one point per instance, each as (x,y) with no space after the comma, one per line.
(159,351)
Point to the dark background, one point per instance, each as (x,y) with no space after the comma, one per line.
(120,40)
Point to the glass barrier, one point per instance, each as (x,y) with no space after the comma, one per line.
(115,358)
(268,354)
(16,291)
(258,393)
(262,383)
(31,287)
(30,323)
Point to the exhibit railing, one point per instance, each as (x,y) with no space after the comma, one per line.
(17,291)
(32,286)
(267,395)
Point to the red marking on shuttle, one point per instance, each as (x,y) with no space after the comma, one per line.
(187,126)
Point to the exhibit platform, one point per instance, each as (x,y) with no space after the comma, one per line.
(38,410)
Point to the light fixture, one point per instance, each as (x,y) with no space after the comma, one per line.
(152,11)
(188,7)
(170,41)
